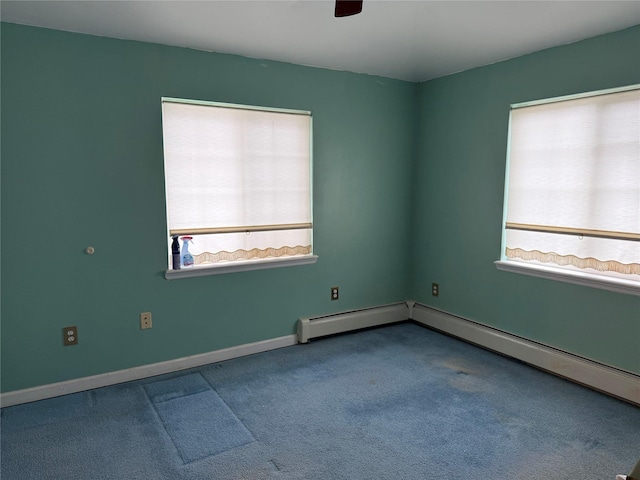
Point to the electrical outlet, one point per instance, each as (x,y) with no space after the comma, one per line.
(335,293)
(435,289)
(145,320)
(70,336)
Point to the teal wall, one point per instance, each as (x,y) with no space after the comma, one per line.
(82,165)
(408,184)
(458,197)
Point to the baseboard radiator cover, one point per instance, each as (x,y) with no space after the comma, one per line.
(33,394)
(313,327)
(610,380)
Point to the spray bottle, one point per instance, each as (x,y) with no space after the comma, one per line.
(175,253)
(187,258)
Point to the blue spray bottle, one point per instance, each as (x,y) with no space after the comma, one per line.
(187,258)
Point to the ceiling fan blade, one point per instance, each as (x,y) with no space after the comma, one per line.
(345,8)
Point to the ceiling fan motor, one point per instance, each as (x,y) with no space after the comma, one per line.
(346,8)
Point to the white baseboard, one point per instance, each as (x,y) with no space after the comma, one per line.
(606,379)
(600,377)
(112,378)
(355,320)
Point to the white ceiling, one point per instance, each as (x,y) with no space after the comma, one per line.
(409,40)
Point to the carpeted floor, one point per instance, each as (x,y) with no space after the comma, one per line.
(400,402)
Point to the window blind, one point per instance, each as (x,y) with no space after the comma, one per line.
(238,179)
(573,198)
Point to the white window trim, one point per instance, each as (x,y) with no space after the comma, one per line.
(234,267)
(603,282)
(246,265)
(618,285)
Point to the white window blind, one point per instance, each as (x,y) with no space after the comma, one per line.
(238,179)
(573,184)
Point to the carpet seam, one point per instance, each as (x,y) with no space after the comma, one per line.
(230,409)
(164,426)
(177,398)
(211,388)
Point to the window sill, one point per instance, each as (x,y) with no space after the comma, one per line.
(579,278)
(244,266)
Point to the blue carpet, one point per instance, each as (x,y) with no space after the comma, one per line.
(54,410)
(398,403)
(196,418)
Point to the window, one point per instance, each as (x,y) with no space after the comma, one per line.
(572,195)
(238,181)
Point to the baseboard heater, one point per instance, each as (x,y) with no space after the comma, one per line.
(607,379)
(314,327)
